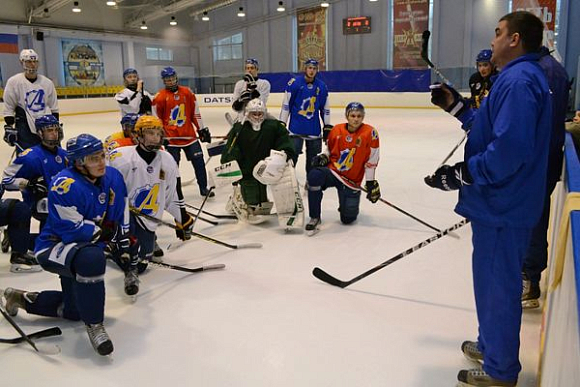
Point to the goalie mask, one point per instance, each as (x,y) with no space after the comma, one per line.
(149,133)
(29,60)
(255,113)
(49,130)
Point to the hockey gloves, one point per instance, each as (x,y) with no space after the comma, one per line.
(450,178)
(251,81)
(320,160)
(448,99)
(38,188)
(373,190)
(183,230)
(10,135)
(204,135)
(326,131)
(271,169)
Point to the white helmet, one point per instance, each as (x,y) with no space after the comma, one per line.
(28,54)
(255,106)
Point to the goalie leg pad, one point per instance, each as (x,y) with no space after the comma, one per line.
(242,211)
(288,200)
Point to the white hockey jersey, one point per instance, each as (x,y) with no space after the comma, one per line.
(263,87)
(36,98)
(129,101)
(151,188)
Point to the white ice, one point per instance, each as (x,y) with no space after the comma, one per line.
(265,320)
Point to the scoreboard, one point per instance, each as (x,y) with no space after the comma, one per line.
(356,25)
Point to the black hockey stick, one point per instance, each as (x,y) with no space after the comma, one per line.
(217,216)
(454,149)
(54,331)
(324,276)
(202,204)
(216,266)
(352,184)
(425,57)
(196,234)
(212,222)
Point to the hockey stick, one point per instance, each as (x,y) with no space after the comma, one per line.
(425,57)
(216,266)
(209,191)
(324,276)
(352,184)
(201,236)
(217,216)
(212,222)
(54,331)
(454,149)
(43,349)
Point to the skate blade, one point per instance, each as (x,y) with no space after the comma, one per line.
(312,232)
(22,268)
(530,304)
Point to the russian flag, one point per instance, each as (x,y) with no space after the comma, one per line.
(9,43)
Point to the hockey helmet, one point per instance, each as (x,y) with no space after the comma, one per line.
(28,54)
(49,121)
(145,124)
(128,123)
(129,70)
(29,60)
(255,106)
(77,148)
(354,106)
(168,72)
(169,77)
(311,62)
(483,56)
(253,61)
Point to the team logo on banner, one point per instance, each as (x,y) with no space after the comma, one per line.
(82,63)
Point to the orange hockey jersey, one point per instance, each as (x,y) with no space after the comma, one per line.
(351,154)
(179,113)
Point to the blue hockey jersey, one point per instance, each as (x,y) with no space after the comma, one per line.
(32,164)
(76,205)
(306,104)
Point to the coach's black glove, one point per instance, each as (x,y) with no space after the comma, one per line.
(183,230)
(251,81)
(10,135)
(320,160)
(38,188)
(450,178)
(204,135)
(326,131)
(448,99)
(373,190)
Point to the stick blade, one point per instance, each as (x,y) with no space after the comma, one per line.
(325,277)
(216,266)
(252,245)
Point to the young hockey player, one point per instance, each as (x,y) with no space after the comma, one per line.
(86,208)
(249,88)
(306,103)
(480,81)
(153,185)
(352,154)
(262,147)
(27,96)
(178,109)
(125,136)
(133,98)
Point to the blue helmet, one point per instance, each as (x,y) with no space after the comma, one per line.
(253,61)
(354,106)
(311,62)
(483,56)
(129,70)
(129,119)
(46,121)
(82,145)
(168,72)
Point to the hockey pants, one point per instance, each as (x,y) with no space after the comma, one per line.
(321,178)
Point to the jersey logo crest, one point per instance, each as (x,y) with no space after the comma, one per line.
(34,100)
(145,199)
(346,160)
(102,197)
(177,115)
(307,107)
(62,185)
(374,134)
(290,82)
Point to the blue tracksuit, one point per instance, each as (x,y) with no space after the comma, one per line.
(507,156)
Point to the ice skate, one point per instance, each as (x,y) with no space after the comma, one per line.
(479,378)
(530,294)
(16,298)
(313,226)
(131,282)
(471,352)
(5,241)
(157,253)
(23,263)
(100,339)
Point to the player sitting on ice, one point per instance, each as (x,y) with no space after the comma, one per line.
(124,137)
(262,149)
(33,169)
(153,185)
(352,153)
(86,209)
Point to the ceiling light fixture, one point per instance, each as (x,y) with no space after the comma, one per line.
(280,7)
(241,12)
(143,25)
(111,3)
(205,17)
(325,4)
(173,22)
(76,7)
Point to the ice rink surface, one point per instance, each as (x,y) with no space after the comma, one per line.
(265,320)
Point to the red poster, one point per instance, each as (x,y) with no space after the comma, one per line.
(545,10)
(411,18)
(312,36)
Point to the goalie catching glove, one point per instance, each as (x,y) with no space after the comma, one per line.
(271,169)
(184,229)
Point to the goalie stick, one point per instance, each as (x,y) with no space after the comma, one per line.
(325,277)
(196,234)
(216,266)
(49,332)
(425,57)
(217,216)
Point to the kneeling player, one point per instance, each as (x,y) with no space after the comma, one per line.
(352,153)
(124,137)
(262,149)
(82,199)
(153,185)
